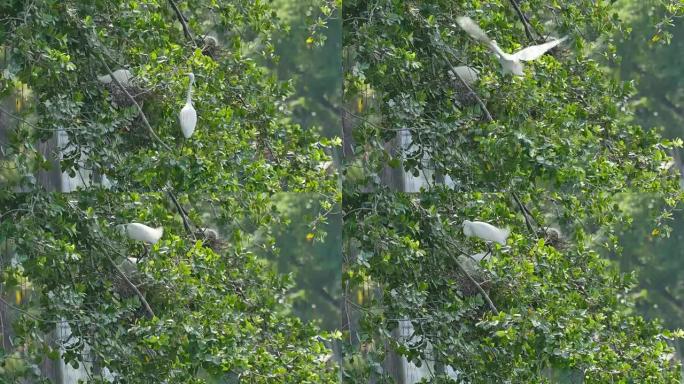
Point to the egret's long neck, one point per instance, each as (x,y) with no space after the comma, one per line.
(188,100)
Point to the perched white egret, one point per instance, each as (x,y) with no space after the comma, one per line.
(188,115)
(124,76)
(510,63)
(485,231)
(142,232)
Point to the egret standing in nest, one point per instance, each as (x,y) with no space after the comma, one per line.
(188,115)
(510,63)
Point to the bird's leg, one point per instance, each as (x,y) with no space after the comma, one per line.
(146,252)
(489,251)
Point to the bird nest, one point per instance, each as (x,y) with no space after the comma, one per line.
(465,285)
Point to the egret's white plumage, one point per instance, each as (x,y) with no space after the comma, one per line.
(188,115)
(510,63)
(142,232)
(485,231)
(124,76)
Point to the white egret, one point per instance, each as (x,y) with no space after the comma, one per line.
(510,63)
(123,76)
(142,232)
(485,231)
(188,115)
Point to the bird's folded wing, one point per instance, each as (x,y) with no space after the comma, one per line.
(536,51)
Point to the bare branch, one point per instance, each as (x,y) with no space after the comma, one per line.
(523,19)
(181,18)
(183,214)
(525,213)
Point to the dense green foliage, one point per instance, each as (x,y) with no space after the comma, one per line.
(561,138)
(217,312)
(217,315)
(243,141)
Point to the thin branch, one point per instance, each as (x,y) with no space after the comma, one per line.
(142,114)
(477,285)
(472,280)
(525,213)
(135,289)
(523,19)
(181,18)
(183,214)
(28,314)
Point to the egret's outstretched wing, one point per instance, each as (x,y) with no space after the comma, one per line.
(473,29)
(536,51)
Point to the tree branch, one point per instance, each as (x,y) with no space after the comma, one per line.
(525,213)
(479,101)
(181,18)
(135,289)
(477,285)
(522,17)
(183,214)
(125,91)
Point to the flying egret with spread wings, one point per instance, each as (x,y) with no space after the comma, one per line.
(510,63)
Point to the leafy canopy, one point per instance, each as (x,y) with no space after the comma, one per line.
(560,139)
